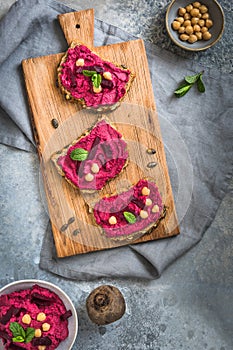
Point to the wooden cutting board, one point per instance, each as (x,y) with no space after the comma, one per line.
(73,226)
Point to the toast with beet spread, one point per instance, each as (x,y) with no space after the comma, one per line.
(130,214)
(88,79)
(94,158)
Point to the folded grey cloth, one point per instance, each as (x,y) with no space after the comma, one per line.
(197,132)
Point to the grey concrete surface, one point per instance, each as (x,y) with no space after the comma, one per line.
(190,306)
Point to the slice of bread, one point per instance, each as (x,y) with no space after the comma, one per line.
(131,214)
(92,81)
(94,158)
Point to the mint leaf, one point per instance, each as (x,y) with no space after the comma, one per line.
(200,84)
(20,335)
(96,79)
(17,330)
(88,73)
(79,154)
(18,339)
(30,333)
(130,217)
(191,79)
(183,89)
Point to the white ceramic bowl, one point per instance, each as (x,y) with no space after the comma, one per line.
(216,14)
(72,321)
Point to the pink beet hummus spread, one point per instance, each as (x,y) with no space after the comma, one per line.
(33,301)
(132,201)
(105,148)
(81,87)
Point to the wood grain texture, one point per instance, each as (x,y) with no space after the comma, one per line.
(73,225)
(78,26)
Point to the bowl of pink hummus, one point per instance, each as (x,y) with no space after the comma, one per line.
(36,315)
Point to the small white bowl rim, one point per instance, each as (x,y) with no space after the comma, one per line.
(48,285)
(179,43)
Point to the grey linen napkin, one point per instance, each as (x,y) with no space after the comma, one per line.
(197,133)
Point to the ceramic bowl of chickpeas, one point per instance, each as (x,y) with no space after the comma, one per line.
(196,25)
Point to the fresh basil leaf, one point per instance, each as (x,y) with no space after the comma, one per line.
(79,154)
(17,329)
(200,84)
(18,339)
(130,217)
(191,79)
(88,73)
(30,333)
(182,90)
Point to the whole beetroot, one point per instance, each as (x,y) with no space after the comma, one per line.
(105,304)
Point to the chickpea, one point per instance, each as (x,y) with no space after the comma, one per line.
(184,37)
(181,30)
(204,29)
(201,22)
(38,333)
(199,15)
(46,327)
(180,19)
(187,23)
(194,12)
(198,35)
(192,38)
(196,4)
(95,168)
(26,319)
(148,202)
(182,11)
(145,191)
(207,35)
(175,25)
(208,23)
(97,89)
(194,20)
(187,16)
(107,75)
(205,15)
(155,208)
(80,62)
(189,30)
(196,28)
(203,9)
(89,177)
(112,220)
(143,214)
(41,316)
(189,7)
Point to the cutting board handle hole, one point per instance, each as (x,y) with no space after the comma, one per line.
(77,26)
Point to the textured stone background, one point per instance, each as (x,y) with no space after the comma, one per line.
(190,307)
